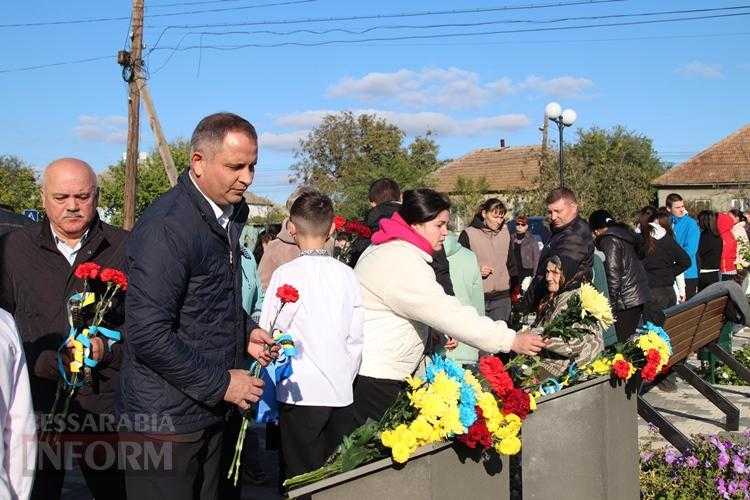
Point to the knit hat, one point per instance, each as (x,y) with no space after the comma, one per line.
(599,219)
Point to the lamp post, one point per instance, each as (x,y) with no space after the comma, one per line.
(563,118)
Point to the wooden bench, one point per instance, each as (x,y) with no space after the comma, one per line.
(692,326)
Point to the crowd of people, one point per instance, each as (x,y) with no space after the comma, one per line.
(202,303)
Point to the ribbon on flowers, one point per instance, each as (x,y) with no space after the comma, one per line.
(272,375)
(77,362)
(80,342)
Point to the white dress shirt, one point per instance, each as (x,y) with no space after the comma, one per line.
(326,324)
(17,426)
(67,251)
(222,214)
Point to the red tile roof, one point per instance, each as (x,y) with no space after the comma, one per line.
(505,169)
(726,162)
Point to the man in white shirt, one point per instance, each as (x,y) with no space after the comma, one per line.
(326,324)
(17,427)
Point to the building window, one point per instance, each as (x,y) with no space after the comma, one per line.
(740,203)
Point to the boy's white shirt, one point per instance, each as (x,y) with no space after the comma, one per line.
(326,324)
(17,426)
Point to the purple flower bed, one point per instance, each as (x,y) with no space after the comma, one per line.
(716,467)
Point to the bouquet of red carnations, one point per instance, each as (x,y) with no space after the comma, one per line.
(86,311)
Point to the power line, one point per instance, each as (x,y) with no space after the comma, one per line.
(507,42)
(443,35)
(61,63)
(202,2)
(168,14)
(458,25)
(475,10)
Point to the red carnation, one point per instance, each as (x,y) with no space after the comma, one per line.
(339,221)
(121,280)
(363,230)
(493,371)
(87,270)
(109,275)
(649,372)
(621,369)
(287,293)
(653,356)
(477,433)
(517,401)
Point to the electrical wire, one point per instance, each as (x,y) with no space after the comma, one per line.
(458,25)
(444,35)
(168,14)
(50,65)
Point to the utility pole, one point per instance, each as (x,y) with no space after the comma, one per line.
(134,102)
(153,120)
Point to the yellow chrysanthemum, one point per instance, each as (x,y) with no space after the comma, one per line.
(401,454)
(652,341)
(452,421)
(401,441)
(414,382)
(488,404)
(596,304)
(510,426)
(422,430)
(600,366)
(445,387)
(470,379)
(509,446)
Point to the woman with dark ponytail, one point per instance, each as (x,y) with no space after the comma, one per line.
(402,301)
(663,260)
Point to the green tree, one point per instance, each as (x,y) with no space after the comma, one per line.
(345,153)
(20,187)
(610,169)
(152,181)
(468,194)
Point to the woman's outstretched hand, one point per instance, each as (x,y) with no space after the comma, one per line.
(527,343)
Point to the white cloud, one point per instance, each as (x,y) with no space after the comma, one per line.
(700,69)
(451,88)
(286,141)
(418,123)
(561,86)
(448,87)
(109,129)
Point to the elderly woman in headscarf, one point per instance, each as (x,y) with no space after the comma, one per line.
(558,354)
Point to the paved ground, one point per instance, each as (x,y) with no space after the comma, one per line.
(690,412)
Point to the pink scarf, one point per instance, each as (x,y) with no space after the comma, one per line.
(396,228)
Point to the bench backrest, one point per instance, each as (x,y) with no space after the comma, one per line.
(695,326)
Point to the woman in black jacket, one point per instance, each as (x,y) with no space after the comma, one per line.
(663,260)
(709,250)
(626,278)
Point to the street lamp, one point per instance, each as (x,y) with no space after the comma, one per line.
(563,118)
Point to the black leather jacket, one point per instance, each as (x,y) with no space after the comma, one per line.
(626,278)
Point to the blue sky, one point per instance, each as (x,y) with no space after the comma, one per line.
(684,84)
